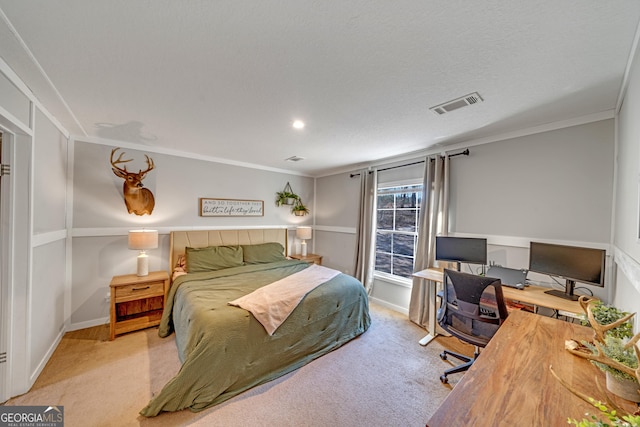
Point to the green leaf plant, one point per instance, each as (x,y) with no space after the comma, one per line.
(613,350)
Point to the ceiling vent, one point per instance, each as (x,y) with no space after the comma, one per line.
(447,107)
(294,159)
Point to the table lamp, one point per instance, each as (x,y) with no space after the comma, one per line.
(303,233)
(142,240)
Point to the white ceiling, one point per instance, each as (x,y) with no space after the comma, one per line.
(226,79)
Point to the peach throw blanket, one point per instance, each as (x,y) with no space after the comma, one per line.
(272,304)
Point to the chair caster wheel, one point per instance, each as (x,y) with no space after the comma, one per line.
(443,356)
(444,379)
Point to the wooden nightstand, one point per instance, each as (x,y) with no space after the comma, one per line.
(310,258)
(137,302)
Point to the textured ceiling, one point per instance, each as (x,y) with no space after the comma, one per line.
(226,79)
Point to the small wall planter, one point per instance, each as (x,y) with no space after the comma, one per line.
(299,209)
(287,197)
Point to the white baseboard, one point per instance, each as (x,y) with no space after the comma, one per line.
(88,324)
(388,305)
(34,375)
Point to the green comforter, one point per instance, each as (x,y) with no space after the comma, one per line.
(225,350)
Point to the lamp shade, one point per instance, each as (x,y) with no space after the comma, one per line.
(143,239)
(303,233)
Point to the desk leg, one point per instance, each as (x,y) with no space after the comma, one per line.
(427,339)
(431,301)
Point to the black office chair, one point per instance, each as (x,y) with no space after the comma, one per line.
(472,309)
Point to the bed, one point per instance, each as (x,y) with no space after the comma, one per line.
(224,350)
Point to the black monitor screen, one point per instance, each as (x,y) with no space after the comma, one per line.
(461,249)
(574,263)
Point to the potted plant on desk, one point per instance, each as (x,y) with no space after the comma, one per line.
(620,376)
(606,315)
(613,348)
(616,352)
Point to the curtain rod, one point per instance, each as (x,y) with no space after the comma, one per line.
(462,153)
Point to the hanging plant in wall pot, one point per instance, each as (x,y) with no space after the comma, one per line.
(299,209)
(286,196)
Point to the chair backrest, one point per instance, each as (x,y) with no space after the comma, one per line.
(472,307)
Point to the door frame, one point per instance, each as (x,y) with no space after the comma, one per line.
(6,242)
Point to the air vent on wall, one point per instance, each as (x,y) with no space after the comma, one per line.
(447,107)
(294,159)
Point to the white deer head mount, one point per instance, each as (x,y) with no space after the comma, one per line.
(139,200)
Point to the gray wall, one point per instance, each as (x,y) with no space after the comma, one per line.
(14,100)
(627,215)
(48,282)
(101,220)
(555,186)
(177,183)
(337,200)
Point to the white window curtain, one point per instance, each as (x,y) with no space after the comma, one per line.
(433,221)
(366,232)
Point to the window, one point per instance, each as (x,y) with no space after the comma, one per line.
(397,229)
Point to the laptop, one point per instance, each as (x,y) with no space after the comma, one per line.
(512,277)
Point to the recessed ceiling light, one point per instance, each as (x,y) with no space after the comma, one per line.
(298,124)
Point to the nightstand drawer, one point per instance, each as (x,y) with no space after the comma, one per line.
(139,290)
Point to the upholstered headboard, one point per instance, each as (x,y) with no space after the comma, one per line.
(204,238)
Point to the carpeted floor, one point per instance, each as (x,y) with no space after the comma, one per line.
(383,378)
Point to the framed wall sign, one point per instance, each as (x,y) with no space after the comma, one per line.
(231,207)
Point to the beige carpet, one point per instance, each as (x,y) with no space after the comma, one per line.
(383,378)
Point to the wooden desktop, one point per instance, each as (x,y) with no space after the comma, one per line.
(533,296)
(510,384)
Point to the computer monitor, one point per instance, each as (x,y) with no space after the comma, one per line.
(572,263)
(471,250)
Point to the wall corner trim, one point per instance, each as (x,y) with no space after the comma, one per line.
(629,267)
(48,237)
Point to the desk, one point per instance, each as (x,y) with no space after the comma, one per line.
(510,384)
(531,295)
